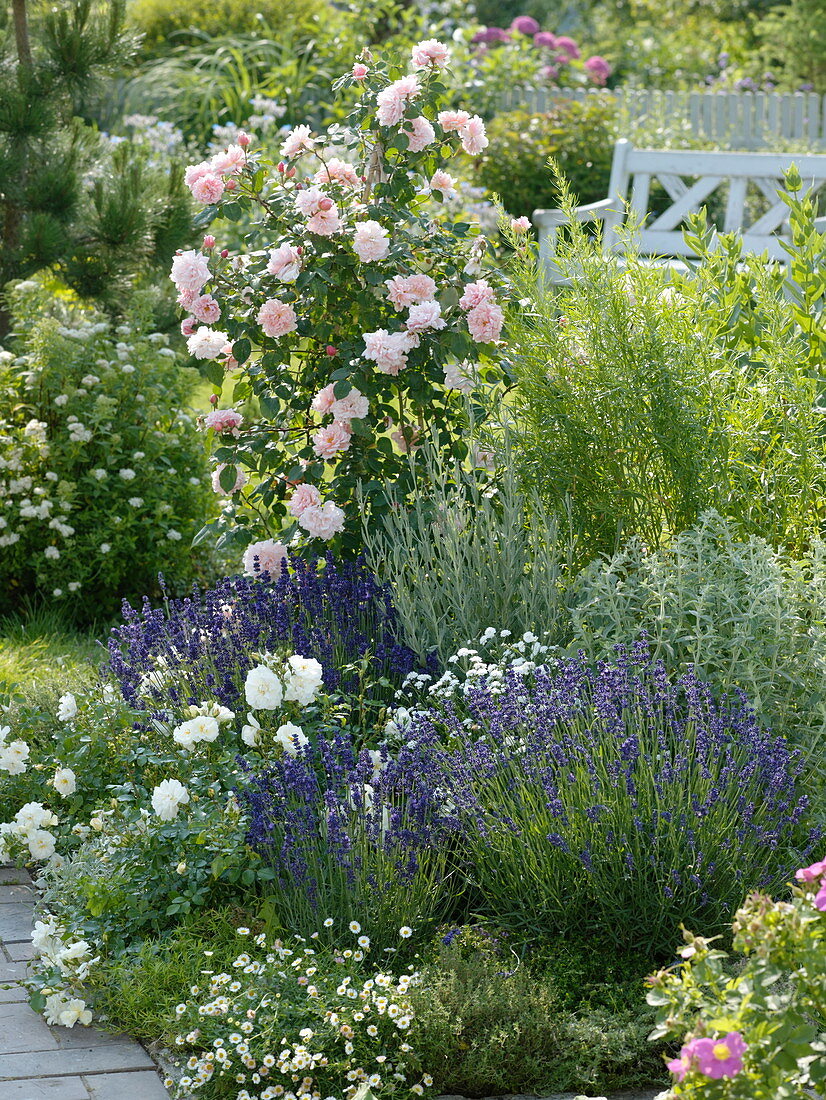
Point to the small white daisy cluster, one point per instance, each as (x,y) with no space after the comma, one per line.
(301,1020)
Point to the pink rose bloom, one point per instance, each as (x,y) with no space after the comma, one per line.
(325,223)
(568,46)
(820,899)
(299,140)
(308,201)
(426,315)
(718,1058)
(195,171)
(207,189)
(473,135)
(338,171)
(207,343)
(206,309)
(453,120)
(305,496)
(230,162)
(388,350)
(521,225)
(456,378)
(190,271)
(187,298)
(444,182)
(240,481)
(404,291)
(285,263)
(322,521)
(421,135)
(597,68)
(393,100)
(485,322)
(429,52)
(370,241)
(276,318)
(265,557)
(360,71)
(224,420)
(811,874)
(354,406)
(323,400)
(476,293)
(188,326)
(332,440)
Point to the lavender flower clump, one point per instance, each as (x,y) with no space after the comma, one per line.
(612,799)
(351,835)
(201,647)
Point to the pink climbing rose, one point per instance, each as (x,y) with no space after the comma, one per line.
(276,318)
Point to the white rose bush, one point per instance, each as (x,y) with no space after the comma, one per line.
(358,316)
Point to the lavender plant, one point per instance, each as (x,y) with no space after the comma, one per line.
(354,834)
(612,799)
(202,647)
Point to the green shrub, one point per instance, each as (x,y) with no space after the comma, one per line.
(164,22)
(793,44)
(578,135)
(487,1023)
(104,478)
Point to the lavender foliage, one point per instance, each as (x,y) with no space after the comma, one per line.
(200,648)
(611,798)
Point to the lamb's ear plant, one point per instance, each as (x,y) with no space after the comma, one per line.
(471,551)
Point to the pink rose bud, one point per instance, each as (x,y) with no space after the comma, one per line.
(520,225)
(325,204)
(243,139)
(281,166)
(290,173)
(224,253)
(230,185)
(209,241)
(331,350)
(213,399)
(300,249)
(360,71)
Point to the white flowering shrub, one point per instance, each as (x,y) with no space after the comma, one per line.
(103,481)
(307,1017)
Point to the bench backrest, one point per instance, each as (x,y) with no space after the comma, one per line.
(690,180)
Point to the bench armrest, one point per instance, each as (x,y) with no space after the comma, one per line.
(592,211)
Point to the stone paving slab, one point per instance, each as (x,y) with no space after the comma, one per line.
(16,919)
(47,1088)
(126,1086)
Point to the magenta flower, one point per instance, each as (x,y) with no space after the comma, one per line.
(813,873)
(525,24)
(568,46)
(597,68)
(489,35)
(717,1058)
(546,39)
(820,898)
(680,1066)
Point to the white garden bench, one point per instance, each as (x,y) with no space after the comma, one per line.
(689,178)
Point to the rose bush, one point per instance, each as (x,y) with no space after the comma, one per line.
(349,328)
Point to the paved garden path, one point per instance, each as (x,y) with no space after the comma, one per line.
(38,1062)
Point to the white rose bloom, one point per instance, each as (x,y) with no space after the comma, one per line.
(41,844)
(168,797)
(250,732)
(263,689)
(305,678)
(34,815)
(64,782)
(66,707)
(4,733)
(13,757)
(201,728)
(292,737)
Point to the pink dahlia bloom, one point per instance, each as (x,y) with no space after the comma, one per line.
(430,52)
(337,171)
(718,1058)
(298,141)
(444,182)
(206,309)
(322,521)
(285,263)
(207,343)
(190,271)
(452,120)
(305,496)
(420,135)
(474,136)
(813,873)
(597,68)
(388,350)
(224,420)
(332,440)
(476,293)
(407,290)
(240,481)
(485,322)
(393,100)
(323,400)
(371,241)
(276,318)
(265,557)
(207,189)
(354,406)
(426,315)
